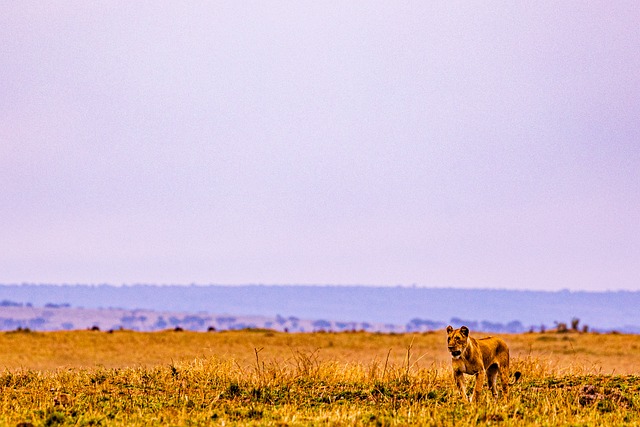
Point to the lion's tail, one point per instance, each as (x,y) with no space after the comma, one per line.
(516,377)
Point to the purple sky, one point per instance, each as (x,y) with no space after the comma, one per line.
(482,144)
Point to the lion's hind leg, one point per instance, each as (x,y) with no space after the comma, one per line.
(492,376)
(504,378)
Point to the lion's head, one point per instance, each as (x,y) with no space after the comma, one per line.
(457,340)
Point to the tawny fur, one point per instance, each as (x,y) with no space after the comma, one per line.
(484,358)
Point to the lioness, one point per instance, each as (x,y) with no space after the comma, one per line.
(480,357)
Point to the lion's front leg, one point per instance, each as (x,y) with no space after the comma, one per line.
(480,377)
(459,379)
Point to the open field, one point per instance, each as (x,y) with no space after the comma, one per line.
(268,378)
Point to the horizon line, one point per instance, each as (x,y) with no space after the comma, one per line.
(318,285)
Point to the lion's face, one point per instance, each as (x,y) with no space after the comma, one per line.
(457,340)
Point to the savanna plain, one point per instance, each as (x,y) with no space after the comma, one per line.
(262,377)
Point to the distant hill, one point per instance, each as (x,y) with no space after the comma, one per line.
(408,308)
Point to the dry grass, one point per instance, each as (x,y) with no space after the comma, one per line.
(266,378)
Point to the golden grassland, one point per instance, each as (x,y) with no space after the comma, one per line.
(277,379)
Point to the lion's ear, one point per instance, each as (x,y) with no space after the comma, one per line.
(449,329)
(465,331)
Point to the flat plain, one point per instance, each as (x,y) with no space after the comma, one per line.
(262,377)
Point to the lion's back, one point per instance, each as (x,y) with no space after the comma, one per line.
(495,350)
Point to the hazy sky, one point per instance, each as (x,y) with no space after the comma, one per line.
(463,144)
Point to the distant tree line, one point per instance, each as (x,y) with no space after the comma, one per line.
(7,303)
(139,322)
(423,325)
